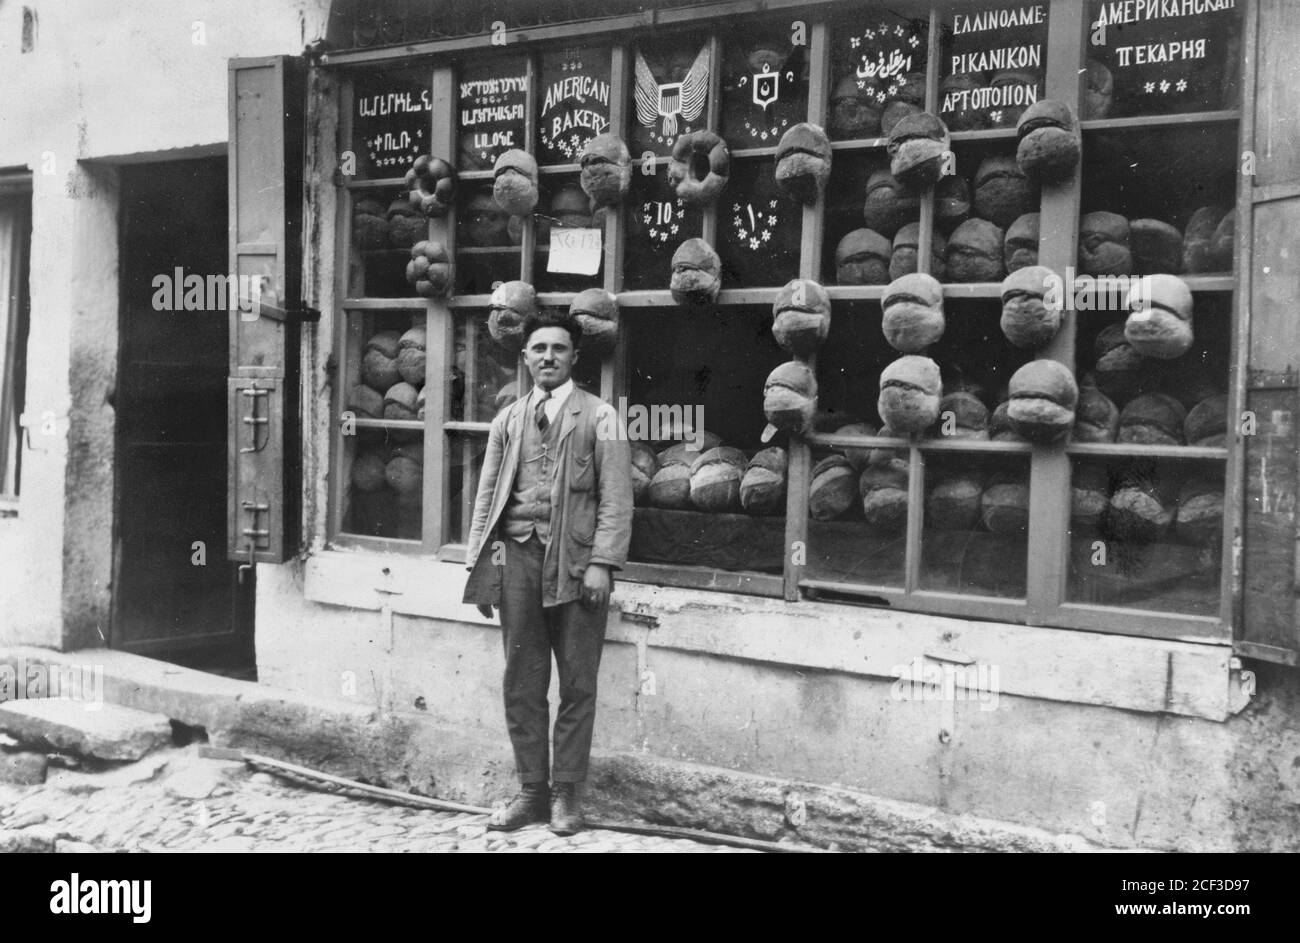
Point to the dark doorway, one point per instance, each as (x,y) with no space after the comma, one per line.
(176,597)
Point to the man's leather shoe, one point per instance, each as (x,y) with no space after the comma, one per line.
(566,809)
(529,806)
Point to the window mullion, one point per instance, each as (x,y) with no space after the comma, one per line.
(613,370)
(440,330)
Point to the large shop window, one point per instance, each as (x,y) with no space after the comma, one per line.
(15,239)
(1123,526)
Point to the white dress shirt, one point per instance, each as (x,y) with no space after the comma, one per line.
(552,406)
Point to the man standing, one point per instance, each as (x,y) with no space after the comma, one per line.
(552,519)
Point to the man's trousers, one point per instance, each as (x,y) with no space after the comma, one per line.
(530,633)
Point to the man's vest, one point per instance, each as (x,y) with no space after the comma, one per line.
(529,507)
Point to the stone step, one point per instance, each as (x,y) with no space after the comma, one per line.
(104,731)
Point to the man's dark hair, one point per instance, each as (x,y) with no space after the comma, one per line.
(553,318)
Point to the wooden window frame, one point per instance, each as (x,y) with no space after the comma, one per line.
(1045,603)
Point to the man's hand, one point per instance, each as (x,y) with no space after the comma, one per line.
(486,611)
(595,586)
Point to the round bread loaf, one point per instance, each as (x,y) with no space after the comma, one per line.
(1027,321)
(1004,505)
(1050,143)
(400,401)
(644,467)
(762,489)
(1200,513)
(1000,427)
(833,490)
(801,317)
(912,307)
(1089,499)
(405,471)
(953,502)
(951,203)
(406,224)
(429,271)
(366,402)
(960,85)
(410,355)
(1141,508)
(1160,321)
(1009,116)
(863,258)
(790,397)
(909,394)
(697,273)
(1198,240)
(379,360)
(803,162)
(1098,90)
(671,485)
(596,311)
(889,205)
(1152,419)
(854,111)
(974,252)
(1003,192)
(369,225)
(917,145)
(1207,423)
(877,456)
(1096,417)
(485,223)
(606,170)
(430,187)
(905,99)
(514,186)
(903,260)
(962,416)
(1121,372)
(883,489)
(1157,247)
(715,479)
(858,458)
(1020,244)
(1222,243)
(1104,244)
(1043,396)
(368,471)
(511,303)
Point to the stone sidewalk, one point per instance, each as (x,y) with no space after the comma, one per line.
(178,801)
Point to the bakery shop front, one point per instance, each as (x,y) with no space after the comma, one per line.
(949,337)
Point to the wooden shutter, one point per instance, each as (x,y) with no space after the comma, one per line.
(1268,626)
(264,455)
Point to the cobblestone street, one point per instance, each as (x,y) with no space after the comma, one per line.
(179,801)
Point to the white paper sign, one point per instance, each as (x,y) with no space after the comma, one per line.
(574,251)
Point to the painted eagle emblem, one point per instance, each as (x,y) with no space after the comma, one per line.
(673,99)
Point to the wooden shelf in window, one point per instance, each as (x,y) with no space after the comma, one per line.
(986,134)
(481,428)
(475,174)
(414,425)
(1125,450)
(373,304)
(560,169)
(489,250)
(1146,122)
(859,144)
(375,184)
(832,440)
(745,152)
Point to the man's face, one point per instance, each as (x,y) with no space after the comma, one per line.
(549,355)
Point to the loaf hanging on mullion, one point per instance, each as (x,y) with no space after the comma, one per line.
(431,185)
(801,317)
(789,399)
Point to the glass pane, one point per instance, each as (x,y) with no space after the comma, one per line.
(573,101)
(758,228)
(489,372)
(976,535)
(1146,533)
(564,206)
(383,492)
(657,223)
(390,120)
(492,97)
(701,396)
(764,85)
(993,64)
(670,91)
(878,63)
(464,465)
(487,241)
(1149,59)
(1158,200)
(384,227)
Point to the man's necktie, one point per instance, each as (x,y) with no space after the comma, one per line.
(542,421)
